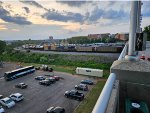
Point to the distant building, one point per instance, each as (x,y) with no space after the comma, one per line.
(122,36)
(98,36)
(50,37)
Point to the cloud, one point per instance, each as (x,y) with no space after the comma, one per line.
(1,2)
(63,17)
(74,3)
(3,27)
(33,3)
(26,9)
(146,8)
(5,15)
(98,13)
(15,30)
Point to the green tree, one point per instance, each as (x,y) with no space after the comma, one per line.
(147,30)
(2,46)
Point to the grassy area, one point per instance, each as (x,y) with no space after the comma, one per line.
(106,73)
(88,103)
(67,69)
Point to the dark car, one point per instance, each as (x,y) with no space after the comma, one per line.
(50,69)
(45,82)
(82,87)
(51,79)
(55,110)
(74,95)
(89,82)
(39,78)
(21,85)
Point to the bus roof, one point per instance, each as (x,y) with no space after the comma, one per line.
(18,69)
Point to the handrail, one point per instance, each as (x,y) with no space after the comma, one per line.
(102,102)
(124,52)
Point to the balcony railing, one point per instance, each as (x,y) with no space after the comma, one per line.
(102,102)
(124,52)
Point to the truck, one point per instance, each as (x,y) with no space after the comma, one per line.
(73,94)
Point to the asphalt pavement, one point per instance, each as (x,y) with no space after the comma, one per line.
(38,98)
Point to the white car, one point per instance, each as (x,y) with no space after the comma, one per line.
(2,110)
(8,102)
(16,97)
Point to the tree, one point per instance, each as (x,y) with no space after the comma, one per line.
(2,49)
(2,46)
(147,30)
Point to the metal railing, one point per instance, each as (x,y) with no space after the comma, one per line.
(102,102)
(124,52)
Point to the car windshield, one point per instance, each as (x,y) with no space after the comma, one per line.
(20,96)
(22,83)
(8,101)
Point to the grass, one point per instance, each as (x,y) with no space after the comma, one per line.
(67,69)
(106,73)
(88,103)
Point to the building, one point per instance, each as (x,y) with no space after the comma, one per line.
(98,36)
(122,36)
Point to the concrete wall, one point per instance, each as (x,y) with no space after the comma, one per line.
(134,78)
(114,99)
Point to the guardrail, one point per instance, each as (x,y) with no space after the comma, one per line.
(124,52)
(102,102)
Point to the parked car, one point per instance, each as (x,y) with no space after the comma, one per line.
(148,58)
(74,95)
(1,96)
(56,78)
(21,85)
(82,87)
(55,110)
(8,102)
(51,79)
(39,78)
(50,69)
(89,82)
(2,109)
(16,97)
(142,57)
(45,82)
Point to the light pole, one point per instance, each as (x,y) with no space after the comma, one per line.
(134,24)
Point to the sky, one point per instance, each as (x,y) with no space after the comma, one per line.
(39,19)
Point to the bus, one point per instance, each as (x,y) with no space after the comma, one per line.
(10,75)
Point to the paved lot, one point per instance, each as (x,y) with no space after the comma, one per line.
(38,97)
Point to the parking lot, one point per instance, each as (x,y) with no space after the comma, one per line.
(37,98)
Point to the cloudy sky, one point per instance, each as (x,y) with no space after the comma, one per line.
(37,19)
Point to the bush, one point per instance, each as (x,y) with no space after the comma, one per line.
(53,59)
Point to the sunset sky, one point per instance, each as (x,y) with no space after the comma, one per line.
(20,19)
